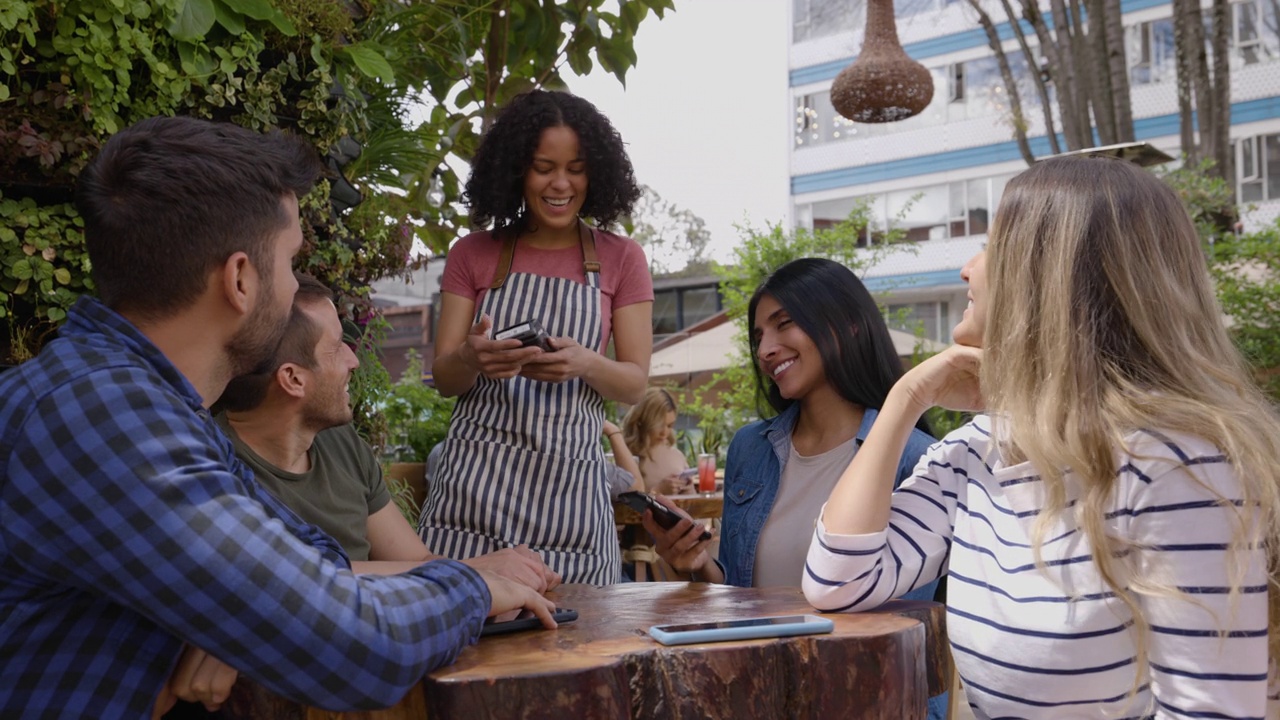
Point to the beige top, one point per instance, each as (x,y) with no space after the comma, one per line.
(662,463)
(805,484)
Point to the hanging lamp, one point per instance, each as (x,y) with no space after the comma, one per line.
(883,84)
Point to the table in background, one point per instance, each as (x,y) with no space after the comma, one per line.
(877,665)
(637,544)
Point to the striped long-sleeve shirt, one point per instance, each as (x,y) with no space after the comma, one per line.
(1056,643)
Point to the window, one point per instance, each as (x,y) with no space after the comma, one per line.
(929,318)
(957,209)
(820,18)
(1150,51)
(666,312)
(955,88)
(1255,35)
(1258,168)
(675,309)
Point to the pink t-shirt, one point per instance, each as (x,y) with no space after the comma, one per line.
(624,272)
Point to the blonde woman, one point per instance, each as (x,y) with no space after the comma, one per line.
(649,431)
(1103,526)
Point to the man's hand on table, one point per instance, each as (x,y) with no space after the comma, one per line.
(508,596)
(198,677)
(519,564)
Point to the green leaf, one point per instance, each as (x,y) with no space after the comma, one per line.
(57,314)
(4,92)
(193,21)
(256,9)
(62,275)
(371,63)
(633,13)
(228,18)
(282,24)
(22,269)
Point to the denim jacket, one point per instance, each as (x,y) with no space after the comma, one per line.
(757,456)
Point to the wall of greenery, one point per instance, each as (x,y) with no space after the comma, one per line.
(393,94)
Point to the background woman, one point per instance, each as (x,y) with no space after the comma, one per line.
(649,429)
(523,462)
(1107,523)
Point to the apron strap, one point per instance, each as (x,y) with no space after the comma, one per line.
(504,262)
(586,237)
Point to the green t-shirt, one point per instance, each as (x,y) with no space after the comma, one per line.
(342,489)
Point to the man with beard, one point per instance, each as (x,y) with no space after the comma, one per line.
(127,525)
(291,423)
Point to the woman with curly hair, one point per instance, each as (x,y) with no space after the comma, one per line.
(522,463)
(1109,526)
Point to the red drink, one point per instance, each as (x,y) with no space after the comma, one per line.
(706,473)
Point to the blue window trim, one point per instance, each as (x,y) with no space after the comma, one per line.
(1143,129)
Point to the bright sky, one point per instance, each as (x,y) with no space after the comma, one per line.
(705,112)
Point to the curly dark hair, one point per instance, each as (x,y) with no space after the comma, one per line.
(495,190)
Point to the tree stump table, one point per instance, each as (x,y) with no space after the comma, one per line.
(875,665)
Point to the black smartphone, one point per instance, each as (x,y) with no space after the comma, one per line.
(529,333)
(662,515)
(526,620)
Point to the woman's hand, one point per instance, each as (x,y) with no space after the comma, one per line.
(497,359)
(674,484)
(948,379)
(570,360)
(681,546)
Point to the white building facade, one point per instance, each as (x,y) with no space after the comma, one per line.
(955,158)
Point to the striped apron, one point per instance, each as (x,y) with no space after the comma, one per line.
(522,463)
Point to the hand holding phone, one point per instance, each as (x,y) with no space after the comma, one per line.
(525,621)
(530,333)
(664,516)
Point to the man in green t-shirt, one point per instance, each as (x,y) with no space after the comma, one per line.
(292,424)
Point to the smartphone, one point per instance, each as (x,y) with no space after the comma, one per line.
(744,629)
(689,474)
(529,333)
(662,515)
(526,620)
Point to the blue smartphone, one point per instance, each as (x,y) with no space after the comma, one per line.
(526,620)
(744,629)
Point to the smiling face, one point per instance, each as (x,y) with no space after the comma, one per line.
(328,399)
(555,186)
(785,353)
(969,330)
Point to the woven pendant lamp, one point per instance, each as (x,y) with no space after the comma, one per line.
(883,84)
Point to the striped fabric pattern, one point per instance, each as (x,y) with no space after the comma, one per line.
(523,462)
(1056,643)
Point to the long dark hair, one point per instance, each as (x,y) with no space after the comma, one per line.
(828,302)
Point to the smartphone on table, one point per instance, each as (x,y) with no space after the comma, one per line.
(743,629)
(662,515)
(526,620)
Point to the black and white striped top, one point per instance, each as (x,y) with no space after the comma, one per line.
(1055,643)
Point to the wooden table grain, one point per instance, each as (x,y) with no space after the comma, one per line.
(876,665)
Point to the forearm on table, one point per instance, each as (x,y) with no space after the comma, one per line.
(616,380)
(859,503)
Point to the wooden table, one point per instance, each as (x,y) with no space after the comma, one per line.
(878,665)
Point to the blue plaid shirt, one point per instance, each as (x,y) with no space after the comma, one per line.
(128,526)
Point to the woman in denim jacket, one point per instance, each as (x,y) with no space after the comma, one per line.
(825,362)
